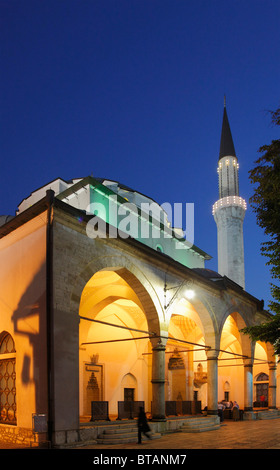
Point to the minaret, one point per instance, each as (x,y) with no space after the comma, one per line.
(229,210)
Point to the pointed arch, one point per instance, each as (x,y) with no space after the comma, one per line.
(238,322)
(201,312)
(8,405)
(143,290)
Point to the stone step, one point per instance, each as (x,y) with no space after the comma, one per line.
(116,435)
(201,429)
(101,441)
(201,420)
(122,434)
(271,414)
(123,438)
(120,430)
(115,438)
(201,424)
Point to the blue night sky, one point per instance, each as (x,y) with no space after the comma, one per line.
(133,90)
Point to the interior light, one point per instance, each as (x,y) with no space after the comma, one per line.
(189,293)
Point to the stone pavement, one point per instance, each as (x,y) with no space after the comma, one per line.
(259,434)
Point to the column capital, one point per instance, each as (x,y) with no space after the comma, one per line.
(159,343)
(212,354)
(248,361)
(248,365)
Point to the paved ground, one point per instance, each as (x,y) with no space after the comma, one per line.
(260,434)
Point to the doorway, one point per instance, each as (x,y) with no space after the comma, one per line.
(261,390)
(129,394)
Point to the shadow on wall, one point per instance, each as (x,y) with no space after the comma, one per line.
(30,324)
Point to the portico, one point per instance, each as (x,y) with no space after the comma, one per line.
(95,311)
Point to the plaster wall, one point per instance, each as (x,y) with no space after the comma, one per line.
(23,313)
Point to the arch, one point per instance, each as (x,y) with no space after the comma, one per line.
(123,312)
(145,292)
(238,322)
(129,381)
(7,344)
(105,296)
(261,377)
(129,390)
(192,321)
(201,312)
(226,386)
(268,350)
(7,379)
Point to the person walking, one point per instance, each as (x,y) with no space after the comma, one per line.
(143,426)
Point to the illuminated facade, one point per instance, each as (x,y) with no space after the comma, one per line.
(116,317)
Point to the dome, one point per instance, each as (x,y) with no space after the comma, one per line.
(208,273)
(4,219)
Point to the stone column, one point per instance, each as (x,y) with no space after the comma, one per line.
(190,376)
(158,382)
(248,385)
(212,380)
(272,386)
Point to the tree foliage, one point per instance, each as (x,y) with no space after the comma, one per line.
(265,202)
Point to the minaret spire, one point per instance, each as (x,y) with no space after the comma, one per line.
(229,210)
(226,144)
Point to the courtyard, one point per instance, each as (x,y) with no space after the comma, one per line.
(258,434)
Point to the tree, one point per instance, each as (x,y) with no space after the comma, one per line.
(265,202)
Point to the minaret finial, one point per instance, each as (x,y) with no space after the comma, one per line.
(226,143)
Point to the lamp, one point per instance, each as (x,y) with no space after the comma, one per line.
(189,293)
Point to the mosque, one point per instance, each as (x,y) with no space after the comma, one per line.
(104,304)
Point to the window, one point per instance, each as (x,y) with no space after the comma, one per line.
(7,379)
(7,344)
(261,390)
(262,377)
